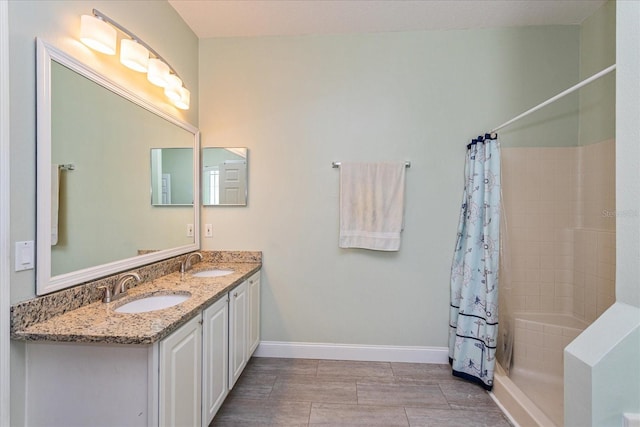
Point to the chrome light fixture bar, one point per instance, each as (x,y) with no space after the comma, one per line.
(134,54)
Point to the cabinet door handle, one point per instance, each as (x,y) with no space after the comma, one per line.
(235,294)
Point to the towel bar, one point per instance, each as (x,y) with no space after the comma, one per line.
(337,164)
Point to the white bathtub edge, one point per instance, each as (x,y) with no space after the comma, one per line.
(504,410)
(520,410)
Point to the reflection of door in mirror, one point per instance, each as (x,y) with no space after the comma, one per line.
(233,182)
(224,176)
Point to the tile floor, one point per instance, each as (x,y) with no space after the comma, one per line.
(304,392)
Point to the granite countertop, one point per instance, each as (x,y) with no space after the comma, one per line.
(98,322)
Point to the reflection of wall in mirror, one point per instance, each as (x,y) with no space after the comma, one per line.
(178,164)
(171,176)
(105,214)
(224,176)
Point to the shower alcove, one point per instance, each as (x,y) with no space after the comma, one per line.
(558,273)
(558,257)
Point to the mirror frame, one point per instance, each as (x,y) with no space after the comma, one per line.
(45,282)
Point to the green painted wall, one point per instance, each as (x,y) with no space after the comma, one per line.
(299,103)
(597,52)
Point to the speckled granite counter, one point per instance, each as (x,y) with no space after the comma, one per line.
(99,323)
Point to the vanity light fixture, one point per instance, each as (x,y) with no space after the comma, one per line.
(99,33)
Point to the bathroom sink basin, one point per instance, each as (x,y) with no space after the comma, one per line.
(216,272)
(152,303)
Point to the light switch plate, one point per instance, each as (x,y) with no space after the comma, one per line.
(208,230)
(24,255)
(189,230)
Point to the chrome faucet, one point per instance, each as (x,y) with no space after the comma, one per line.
(186,264)
(120,288)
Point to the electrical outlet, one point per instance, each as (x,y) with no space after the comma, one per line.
(208,230)
(189,230)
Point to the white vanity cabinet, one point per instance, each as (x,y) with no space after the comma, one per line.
(99,385)
(181,376)
(181,380)
(254,312)
(215,358)
(106,385)
(238,331)
(244,325)
(231,333)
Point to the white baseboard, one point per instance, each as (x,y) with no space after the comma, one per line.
(369,353)
(631,420)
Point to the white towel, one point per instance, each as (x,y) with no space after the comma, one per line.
(55,194)
(371,205)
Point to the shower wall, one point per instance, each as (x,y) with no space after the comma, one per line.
(594,266)
(560,213)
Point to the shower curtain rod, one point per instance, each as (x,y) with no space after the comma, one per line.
(558,96)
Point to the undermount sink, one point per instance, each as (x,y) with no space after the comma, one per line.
(216,272)
(152,303)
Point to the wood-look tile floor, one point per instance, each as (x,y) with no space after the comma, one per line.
(304,392)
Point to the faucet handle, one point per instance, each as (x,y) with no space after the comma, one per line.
(106,295)
(186,263)
(122,281)
(121,284)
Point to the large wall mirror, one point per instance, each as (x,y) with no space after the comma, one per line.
(94,176)
(224,176)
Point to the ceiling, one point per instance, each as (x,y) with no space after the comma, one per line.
(252,18)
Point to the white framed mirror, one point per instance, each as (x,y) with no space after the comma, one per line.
(94,137)
(225,179)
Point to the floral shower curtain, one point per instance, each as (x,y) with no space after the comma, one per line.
(473,318)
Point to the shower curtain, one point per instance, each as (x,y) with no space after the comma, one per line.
(473,318)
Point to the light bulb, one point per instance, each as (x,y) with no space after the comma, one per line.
(172,89)
(97,34)
(158,72)
(133,55)
(185,99)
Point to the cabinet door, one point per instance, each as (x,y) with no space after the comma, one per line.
(254,312)
(181,376)
(215,354)
(238,332)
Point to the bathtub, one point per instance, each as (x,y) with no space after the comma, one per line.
(533,393)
